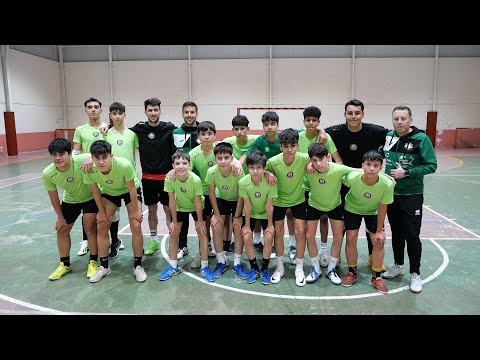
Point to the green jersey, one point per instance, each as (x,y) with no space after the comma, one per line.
(363,199)
(185,192)
(201,164)
(123,144)
(289,179)
(86,135)
(257,195)
(115,182)
(266,147)
(71,181)
(226,188)
(240,149)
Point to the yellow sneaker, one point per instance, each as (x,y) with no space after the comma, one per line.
(92,268)
(153,246)
(60,271)
(369,261)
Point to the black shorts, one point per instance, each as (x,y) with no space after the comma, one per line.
(117,200)
(153,192)
(334,214)
(299,211)
(353,221)
(263,222)
(207,209)
(226,207)
(72,211)
(183,216)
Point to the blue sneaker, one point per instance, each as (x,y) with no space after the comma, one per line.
(240,271)
(313,276)
(253,275)
(207,274)
(265,277)
(219,270)
(168,273)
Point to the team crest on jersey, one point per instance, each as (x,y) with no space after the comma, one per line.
(258,195)
(183,190)
(96,133)
(322,181)
(267,149)
(151,135)
(109,182)
(408,146)
(290,174)
(210,163)
(70,179)
(367,195)
(225,187)
(119,142)
(353,147)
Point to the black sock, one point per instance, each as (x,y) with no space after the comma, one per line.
(85,237)
(353,270)
(114,231)
(376,274)
(226,245)
(253,264)
(65,260)
(265,264)
(104,262)
(93,257)
(137,260)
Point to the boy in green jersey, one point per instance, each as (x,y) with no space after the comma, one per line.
(65,172)
(114,179)
(185,195)
(368,197)
(258,197)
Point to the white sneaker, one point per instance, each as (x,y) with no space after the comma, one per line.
(83,248)
(293,261)
(415,283)
(333,276)
(195,264)
(273,255)
(277,275)
(100,274)
(394,271)
(300,278)
(227,259)
(323,259)
(140,274)
(180,254)
(313,276)
(121,245)
(292,251)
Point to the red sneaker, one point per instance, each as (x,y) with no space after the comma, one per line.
(349,279)
(379,285)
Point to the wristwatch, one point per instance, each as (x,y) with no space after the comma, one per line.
(407,173)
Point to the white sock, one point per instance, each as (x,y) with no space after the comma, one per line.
(299,264)
(323,247)
(332,263)
(221,257)
(315,263)
(237,259)
(280,263)
(256,238)
(291,240)
(173,263)
(203,264)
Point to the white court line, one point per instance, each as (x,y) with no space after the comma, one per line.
(453,222)
(18,182)
(30,306)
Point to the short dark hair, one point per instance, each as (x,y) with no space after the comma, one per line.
(402,107)
(189,103)
(240,120)
(116,106)
(205,126)
(288,136)
(312,111)
(59,145)
(100,147)
(152,102)
(372,155)
(317,149)
(256,157)
(223,148)
(270,116)
(354,102)
(92,99)
(180,154)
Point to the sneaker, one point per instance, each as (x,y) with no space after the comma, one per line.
(379,285)
(333,276)
(140,274)
(168,273)
(394,271)
(273,255)
(292,251)
(240,271)
(196,263)
(122,247)
(369,262)
(153,246)
(219,270)
(211,252)
(92,268)
(265,277)
(258,247)
(100,274)
(231,249)
(349,279)
(277,275)
(313,276)
(415,283)
(253,275)
(300,278)
(207,274)
(293,261)
(83,248)
(60,271)
(114,248)
(182,252)
(323,259)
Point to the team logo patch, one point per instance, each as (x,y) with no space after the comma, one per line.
(367,195)
(258,195)
(109,182)
(210,163)
(183,190)
(96,134)
(322,181)
(408,146)
(151,135)
(417,212)
(267,149)
(290,174)
(353,147)
(70,179)
(225,187)
(119,142)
